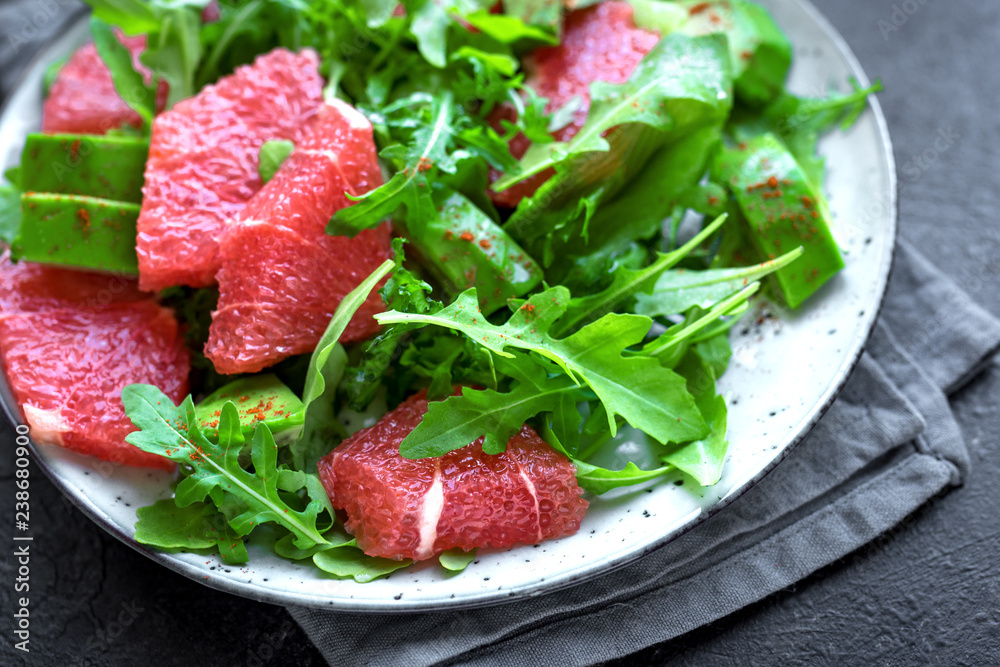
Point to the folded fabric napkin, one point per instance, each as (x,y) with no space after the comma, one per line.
(888,445)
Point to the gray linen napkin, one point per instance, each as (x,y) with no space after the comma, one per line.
(887,446)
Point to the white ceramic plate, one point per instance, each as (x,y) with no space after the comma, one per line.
(785,374)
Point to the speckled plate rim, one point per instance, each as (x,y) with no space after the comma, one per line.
(273,596)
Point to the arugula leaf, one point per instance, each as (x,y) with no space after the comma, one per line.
(430,29)
(377,12)
(627,283)
(326,367)
(272,155)
(501,62)
(408,187)
(689,77)
(235,24)
(197,526)
(132,16)
(683,81)
(129,83)
(678,334)
(678,291)
(173,28)
(335,537)
(509,29)
(349,562)
(716,352)
(601,480)
(760,52)
(445,359)
(51,74)
(635,214)
(456,560)
(460,420)
(646,395)
(703,459)
(174,53)
(564,424)
(252,498)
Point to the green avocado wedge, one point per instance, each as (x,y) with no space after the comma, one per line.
(467,249)
(79,232)
(783,210)
(106,167)
(258,399)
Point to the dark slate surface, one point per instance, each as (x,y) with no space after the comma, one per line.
(927,593)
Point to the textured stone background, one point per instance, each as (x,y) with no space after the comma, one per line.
(927,593)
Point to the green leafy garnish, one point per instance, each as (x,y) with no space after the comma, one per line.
(349,562)
(196,526)
(248,499)
(129,83)
(637,387)
(679,291)
(703,459)
(674,84)
(459,420)
(456,560)
(272,155)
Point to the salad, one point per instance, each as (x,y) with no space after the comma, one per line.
(382,280)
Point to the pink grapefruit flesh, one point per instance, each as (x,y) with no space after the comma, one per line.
(599,43)
(400,508)
(67,369)
(83,99)
(203,162)
(69,342)
(282,275)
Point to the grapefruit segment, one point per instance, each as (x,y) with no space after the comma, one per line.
(203,162)
(282,276)
(599,43)
(83,99)
(67,369)
(70,340)
(400,508)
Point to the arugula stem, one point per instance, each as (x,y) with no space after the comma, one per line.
(247,13)
(669,339)
(608,302)
(394,39)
